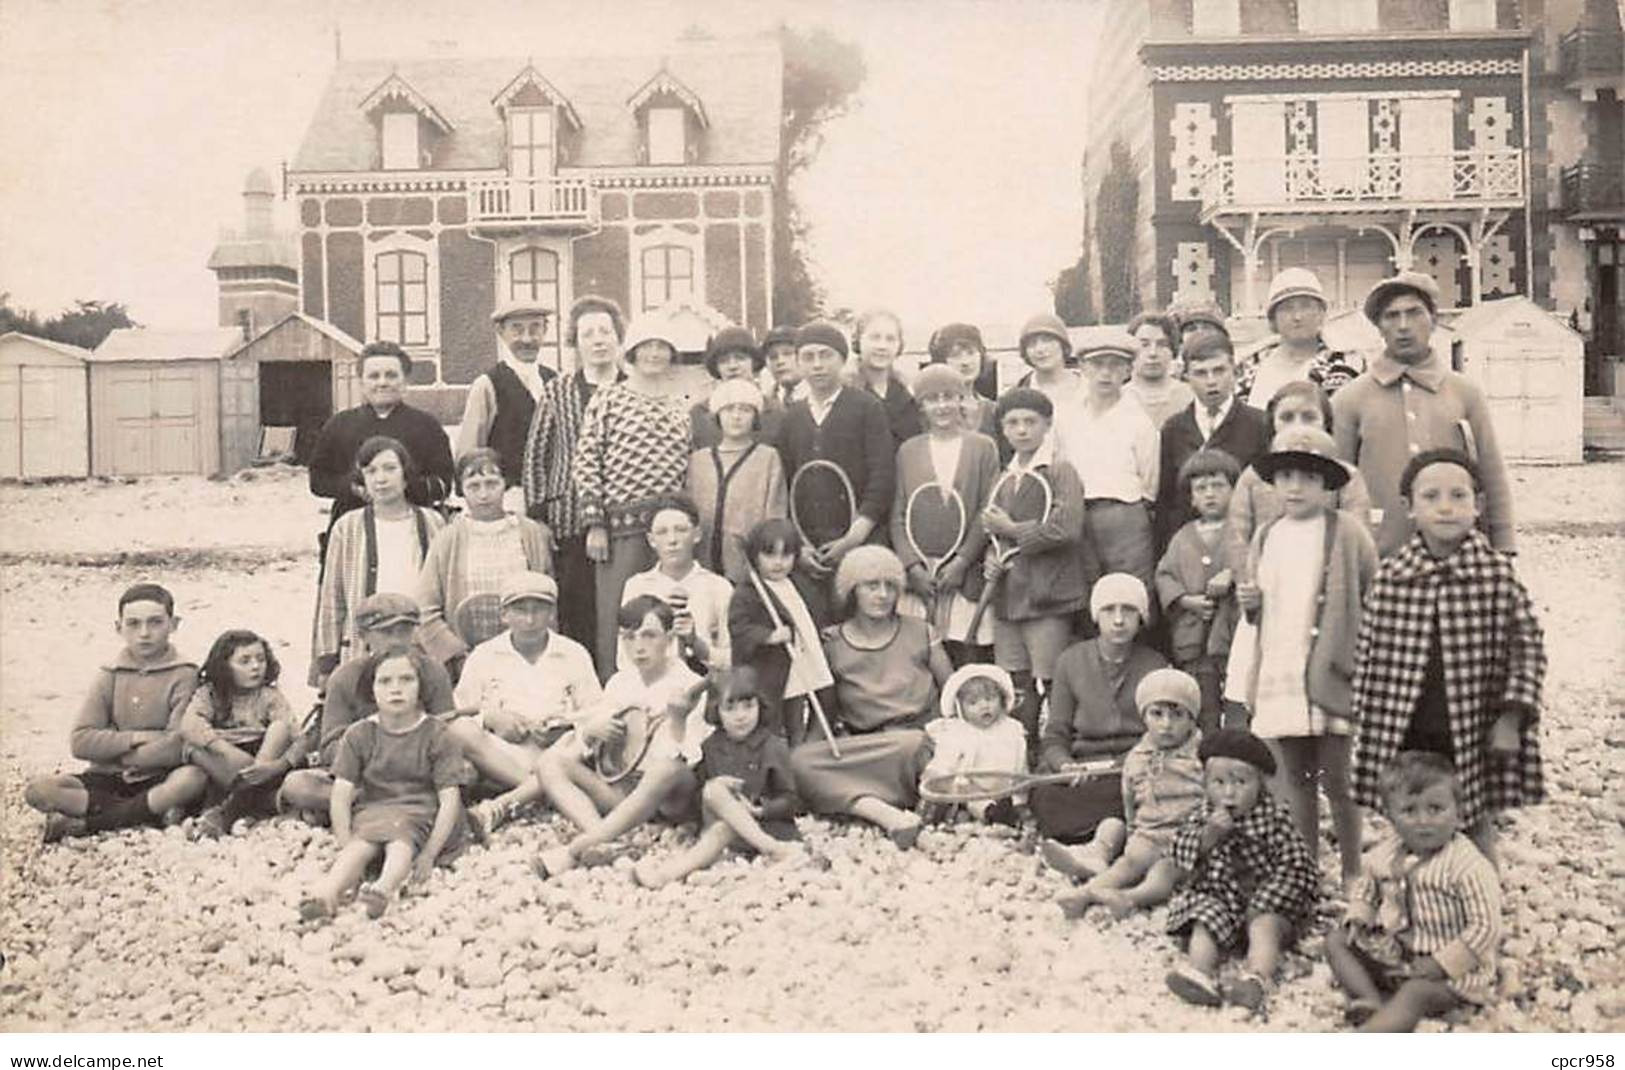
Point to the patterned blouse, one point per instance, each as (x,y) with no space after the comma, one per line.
(1328,369)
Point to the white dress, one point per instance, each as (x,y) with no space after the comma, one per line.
(1289,579)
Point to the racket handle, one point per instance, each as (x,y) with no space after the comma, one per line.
(981,608)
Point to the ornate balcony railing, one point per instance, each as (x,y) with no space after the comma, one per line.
(532,201)
(1587,54)
(1593,187)
(1318,183)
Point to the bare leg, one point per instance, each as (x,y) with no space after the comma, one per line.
(1154,887)
(1297,780)
(1334,764)
(1265,935)
(705,850)
(574,790)
(1351,972)
(308,790)
(276,740)
(222,765)
(732,811)
(180,787)
(397,866)
(642,803)
(495,758)
(1415,1000)
(901,825)
(1203,950)
(346,873)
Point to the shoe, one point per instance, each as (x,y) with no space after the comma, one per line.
(61,826)
(1358,1012)
(483,819)
(211,824)
(1250,991)
(173,816)
(1193,986)
(1003,812)
(906,836)
(551,863)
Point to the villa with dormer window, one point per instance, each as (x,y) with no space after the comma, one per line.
(429,191)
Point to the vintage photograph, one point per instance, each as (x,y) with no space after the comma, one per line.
(812,516)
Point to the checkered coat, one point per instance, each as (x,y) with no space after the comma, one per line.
(1494,660)
(1261,867)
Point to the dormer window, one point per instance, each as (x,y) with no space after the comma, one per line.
(400,134)
(537,118)
(403,117)
(672,119)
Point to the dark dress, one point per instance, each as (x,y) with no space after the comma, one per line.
(762,761)
(398,776)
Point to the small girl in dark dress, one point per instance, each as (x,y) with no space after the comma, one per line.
(747,795)
(407,769)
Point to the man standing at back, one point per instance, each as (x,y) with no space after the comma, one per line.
(502,401)
(1408,400)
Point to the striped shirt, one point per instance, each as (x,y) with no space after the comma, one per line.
(1447,905)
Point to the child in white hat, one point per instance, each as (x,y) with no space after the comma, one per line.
(977,734)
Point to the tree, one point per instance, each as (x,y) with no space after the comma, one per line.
(821,75)
(86,325)
(1117,211)
(1073,301)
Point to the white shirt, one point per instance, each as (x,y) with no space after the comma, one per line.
(708,597)
(673,739)
(1207,422)
(1115,453)
(945,457)
(1275,371)
(398,553)
(820,409)
(561,685)
(809,670)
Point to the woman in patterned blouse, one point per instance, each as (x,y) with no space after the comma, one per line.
(633,451)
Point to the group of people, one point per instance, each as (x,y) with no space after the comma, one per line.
(1253,583)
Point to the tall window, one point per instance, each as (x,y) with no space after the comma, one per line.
(530,142)
(401,297)
(400,133)
(1216,18)
(533,275)
(668,128)
(668,273)
(1472,14)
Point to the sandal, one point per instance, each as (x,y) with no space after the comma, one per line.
(1248,990)
(552,862)
(373,900)
(1193,986)
(906,836)
(484,818)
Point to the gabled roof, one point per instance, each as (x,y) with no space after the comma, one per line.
(147,343)
(299,319)
(741,83)
(530,76)
(668,84)
(397,88)
(61,349)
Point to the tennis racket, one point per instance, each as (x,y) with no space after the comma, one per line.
(934,522)
(795,662)
(478,618)
(822,504)
(979,785)
(615,760)
(1024,497)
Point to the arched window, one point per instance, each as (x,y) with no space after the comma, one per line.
(401,297)
(668,273)
(533,275)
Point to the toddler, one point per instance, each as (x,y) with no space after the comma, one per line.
(977,734)
(1424,919)
(1162,784)
(1247,880)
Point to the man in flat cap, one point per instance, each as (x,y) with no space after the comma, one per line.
(1409,400)
(502,401)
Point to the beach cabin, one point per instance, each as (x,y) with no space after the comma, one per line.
(1531,367)
(44,409)
(155,401)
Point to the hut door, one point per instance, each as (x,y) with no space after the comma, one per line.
(239,413)
(11,425)
(155,421)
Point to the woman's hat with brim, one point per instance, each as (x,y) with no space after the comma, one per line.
(647,328)
(1304,449)
(964,675)
(732,340)
(1045,323)
(1293,282)
(952,334)
(1406,282)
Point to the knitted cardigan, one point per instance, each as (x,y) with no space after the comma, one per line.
(443,580)
(349,577)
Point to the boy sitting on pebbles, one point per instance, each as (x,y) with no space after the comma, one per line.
(128,731)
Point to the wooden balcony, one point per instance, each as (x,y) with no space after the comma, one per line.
(1592,59)
(1307,184)
(505,205)
(1593,191)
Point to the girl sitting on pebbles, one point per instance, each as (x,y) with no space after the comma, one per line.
(1247,878)
(396,787)
(1162,784)
(747,795)
(239,730)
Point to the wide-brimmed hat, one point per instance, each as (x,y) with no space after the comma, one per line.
(1406,282)
(1045,323)
(1293,282)
(1303,448)
(964,675)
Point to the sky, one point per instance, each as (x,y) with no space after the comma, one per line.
(950,191)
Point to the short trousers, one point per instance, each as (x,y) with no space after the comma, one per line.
(106,789)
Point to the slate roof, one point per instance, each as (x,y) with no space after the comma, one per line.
(740,84)
(148,343)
